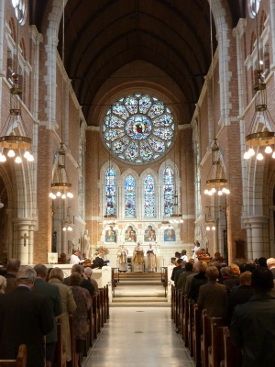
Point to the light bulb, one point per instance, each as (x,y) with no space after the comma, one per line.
(70,229)
(213,228)
(246,155)
(227,192)
(273,155)
(63,196)
(30,158)
(251,152)
(70,195)
(208,228)
(26,154)
(220,192)
(18,160)
(64,229)
(268,150)
(260,157)
(206,192)
(58,194)
(213,190)
(2,158)
(11,153)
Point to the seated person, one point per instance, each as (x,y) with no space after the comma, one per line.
(98,262)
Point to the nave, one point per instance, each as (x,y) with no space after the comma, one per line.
(138,336)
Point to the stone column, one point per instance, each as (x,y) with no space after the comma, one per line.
(23,240)
(258,236)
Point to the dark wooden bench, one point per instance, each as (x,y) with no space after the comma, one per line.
(190,326)
(20,361)
(216,349)
(185,321)
(197,332)
(232,355)
(60,350)
(205,338)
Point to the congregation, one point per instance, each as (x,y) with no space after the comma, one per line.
(241,295)
(34,300)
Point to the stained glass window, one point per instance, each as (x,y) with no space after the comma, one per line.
(149,196)
(110,191)
(130,197)
(168,191)
(253,7)
(138,129)
(20,8)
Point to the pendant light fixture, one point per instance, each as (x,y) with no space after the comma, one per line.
(14,144)
(260,143)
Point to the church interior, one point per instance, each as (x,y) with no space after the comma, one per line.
(130,121)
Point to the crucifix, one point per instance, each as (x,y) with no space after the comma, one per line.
(25,237)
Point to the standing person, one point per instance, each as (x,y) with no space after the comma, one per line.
(12,269)
(88,272)
(83,302)
(41,286)
(122,253)
(253,323)
(3,284)
(68,307)
(25,318)
(196,248)
(271,265)
(212,295)
(138,258)
(184,257)
(75,257)
(151,258)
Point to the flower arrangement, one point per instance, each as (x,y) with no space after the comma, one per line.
(102,250)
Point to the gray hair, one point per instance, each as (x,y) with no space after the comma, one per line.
(270,262)
(26,274)
(88,271)
(3,282)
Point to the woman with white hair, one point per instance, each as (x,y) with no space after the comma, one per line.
(3,284)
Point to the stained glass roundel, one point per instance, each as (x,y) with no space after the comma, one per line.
(138,129)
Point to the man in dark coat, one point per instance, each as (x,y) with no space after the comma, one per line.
(25,318)
(51,291)
(253,323)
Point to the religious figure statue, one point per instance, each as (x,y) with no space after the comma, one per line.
(138,258)
(122,253)
(151,259)
(86,243)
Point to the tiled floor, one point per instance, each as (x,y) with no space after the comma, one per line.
(139,337)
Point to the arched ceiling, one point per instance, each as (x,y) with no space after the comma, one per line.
(102,37)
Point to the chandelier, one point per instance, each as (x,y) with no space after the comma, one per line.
(264,138)
(13,141)
(217,183)
(60,183)
(210,222)
(68,223)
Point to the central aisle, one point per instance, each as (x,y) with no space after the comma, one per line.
(139,337)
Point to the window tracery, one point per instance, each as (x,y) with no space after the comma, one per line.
(138,129)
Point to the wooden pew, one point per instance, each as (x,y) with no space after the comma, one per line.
(197,332)
(190,326)
(205,338)
(96,316)
(173,302)
(60,350)
(73,342)
(232,355)
(185,321)
(20,361)
(216,349)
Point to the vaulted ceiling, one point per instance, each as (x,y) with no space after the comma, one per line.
(102,36)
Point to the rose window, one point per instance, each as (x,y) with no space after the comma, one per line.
(138,129)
